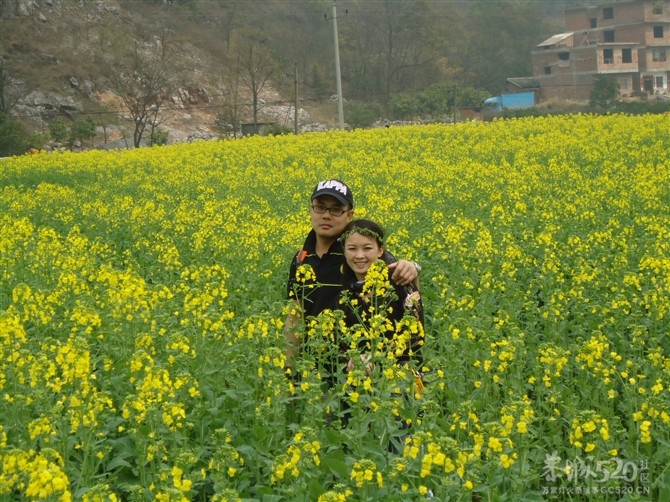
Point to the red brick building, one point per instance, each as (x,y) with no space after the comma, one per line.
(627,40)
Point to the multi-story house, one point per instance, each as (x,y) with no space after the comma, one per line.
(627,40)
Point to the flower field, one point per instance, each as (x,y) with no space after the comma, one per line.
(142,302)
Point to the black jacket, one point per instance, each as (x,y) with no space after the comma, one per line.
(328,269)
(399,307)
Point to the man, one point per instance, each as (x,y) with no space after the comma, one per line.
(332,208)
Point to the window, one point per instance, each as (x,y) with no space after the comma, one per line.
(608,56)
(658,31)
(658,56)
(564,56)
(608,36)
(660,83)
(594,22)
(547,70)
(658,8)
(608,13)
(626,56)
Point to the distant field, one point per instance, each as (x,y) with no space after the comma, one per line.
(142,303)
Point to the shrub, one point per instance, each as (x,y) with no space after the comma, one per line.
(13,137)
(158,137)
(361,115)
(58,130)
(277,130)
(605,91)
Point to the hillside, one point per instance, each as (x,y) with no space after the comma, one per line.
(61,56)
(52,56)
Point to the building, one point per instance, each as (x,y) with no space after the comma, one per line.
(628,40)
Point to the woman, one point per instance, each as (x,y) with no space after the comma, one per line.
(382,318)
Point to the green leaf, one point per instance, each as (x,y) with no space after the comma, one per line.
(119,461)
(334,463)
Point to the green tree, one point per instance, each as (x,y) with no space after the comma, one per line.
(604,92)
(361,115)
(403,106)
(277,130)
(437,100)
(13,137)
(158,137)
(58,130)
(470,97)
(80,131)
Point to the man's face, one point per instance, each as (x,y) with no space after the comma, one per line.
(326,224)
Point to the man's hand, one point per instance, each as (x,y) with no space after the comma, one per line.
(403,272)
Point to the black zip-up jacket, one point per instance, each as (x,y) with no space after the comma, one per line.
(398,307)
(328,270)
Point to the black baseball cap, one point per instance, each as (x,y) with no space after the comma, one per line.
(334,188)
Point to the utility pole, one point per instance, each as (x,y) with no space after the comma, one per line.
(295,114)
(454,104)
(340,106)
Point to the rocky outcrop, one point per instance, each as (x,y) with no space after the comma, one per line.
(42,104)
(190,94)
(16,8)
(66,92)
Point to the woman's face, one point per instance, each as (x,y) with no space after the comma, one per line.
(361,251)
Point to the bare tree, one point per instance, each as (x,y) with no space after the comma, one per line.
(144,89)
(506,32)
(256,67)
(387,43)
(228,120)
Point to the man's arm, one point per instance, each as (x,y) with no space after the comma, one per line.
(404,272)
(291,334)
(292,322)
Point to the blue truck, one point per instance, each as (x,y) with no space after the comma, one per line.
(496,105)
